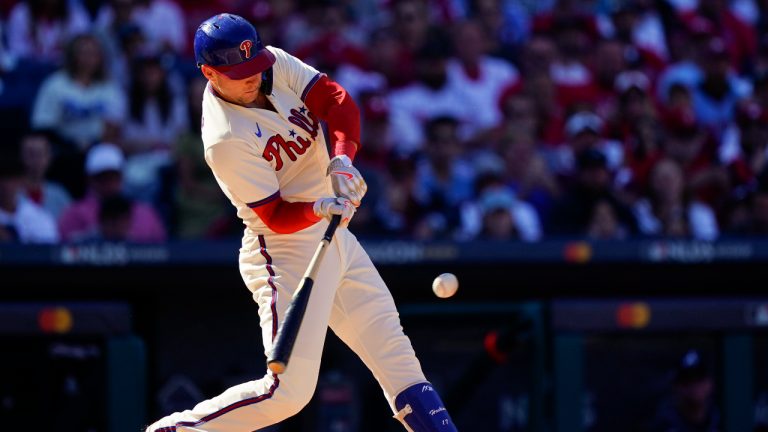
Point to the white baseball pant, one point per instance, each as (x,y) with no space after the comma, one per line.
(348,295)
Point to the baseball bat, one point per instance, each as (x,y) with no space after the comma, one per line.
(294,315)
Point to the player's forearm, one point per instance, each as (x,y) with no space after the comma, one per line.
(331,102)
(285,217)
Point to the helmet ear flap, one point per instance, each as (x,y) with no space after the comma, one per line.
(266,82)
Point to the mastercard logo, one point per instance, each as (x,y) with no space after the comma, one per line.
(577,252)
(634,315)
(55,320)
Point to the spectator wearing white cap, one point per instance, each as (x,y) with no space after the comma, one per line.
(104,167)
(635,104)
(584,130)
(498,214)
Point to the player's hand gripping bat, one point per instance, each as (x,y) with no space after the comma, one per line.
(294,315)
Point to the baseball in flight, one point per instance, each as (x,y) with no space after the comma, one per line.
(445,285)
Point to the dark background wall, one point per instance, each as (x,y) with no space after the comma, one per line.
(198,329)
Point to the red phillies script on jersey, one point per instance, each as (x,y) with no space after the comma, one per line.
(300,117)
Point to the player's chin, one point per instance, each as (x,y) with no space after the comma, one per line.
(250,96)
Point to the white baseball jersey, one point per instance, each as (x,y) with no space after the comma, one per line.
(257,153)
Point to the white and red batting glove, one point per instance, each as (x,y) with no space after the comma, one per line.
(346,179)
(327,207)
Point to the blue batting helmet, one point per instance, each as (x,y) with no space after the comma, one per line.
(231,45)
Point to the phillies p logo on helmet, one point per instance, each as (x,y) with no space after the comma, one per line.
(246,47)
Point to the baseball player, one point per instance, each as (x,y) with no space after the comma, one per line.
(267,120)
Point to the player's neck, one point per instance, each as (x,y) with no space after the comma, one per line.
(262,102)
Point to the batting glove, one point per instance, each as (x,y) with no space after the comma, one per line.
(327,207)
(346,179)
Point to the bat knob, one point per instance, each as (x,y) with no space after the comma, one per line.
(276,366)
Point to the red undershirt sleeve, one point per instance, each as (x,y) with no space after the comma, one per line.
(331,102)
(285,217)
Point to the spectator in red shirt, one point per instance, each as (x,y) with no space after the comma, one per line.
(606,64)
(574,80)
(642,149)
(694,150)
(538,56)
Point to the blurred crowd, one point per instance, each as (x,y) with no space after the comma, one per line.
(492,119)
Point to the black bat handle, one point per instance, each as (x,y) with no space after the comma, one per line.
(335,221)
(294,315)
